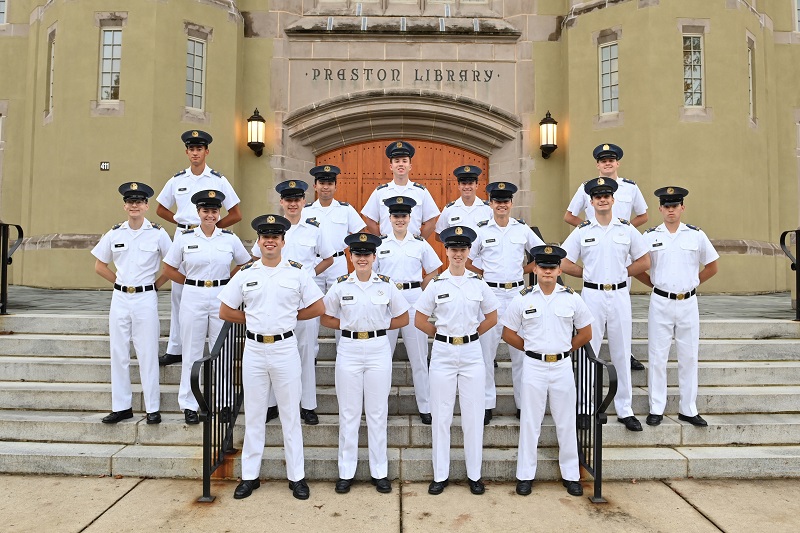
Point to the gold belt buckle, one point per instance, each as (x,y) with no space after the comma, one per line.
(131,290)
(458,340)
(681,296)
(362,335)
(607,287)
(509,285)
(268,339)
(208,283)
(550,357)
(399,286)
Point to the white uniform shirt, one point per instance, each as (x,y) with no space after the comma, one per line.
(502,250)
(364,306)
(136,254)
(545,322)
(605,251)
(676,257)
(403,261)
(304,242)
(206,258)
(179,190)
(271,296)
(424,210)
(627,200)
(458,214)
(458,302)
(336,221)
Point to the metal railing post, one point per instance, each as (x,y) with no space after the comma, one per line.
(793,259)
(5,259)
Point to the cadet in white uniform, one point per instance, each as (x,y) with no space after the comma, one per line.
(305,245)
(403,257)
(677,251)
(500,250)
(540,320)
(136,247)
(205,254)
(178,192)
(276,294)
(468,209)
(628,200)
(606,244)
(465,308)
(363,305)
(376,214)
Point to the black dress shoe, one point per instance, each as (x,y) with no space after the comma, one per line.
(487,417)
(309,417)
(116,416)
(476,487)
(437,487)
(695,420)
(168,359)
(154,418)
(300,489)
(246,488)
(584,421)
(654,420)
(524,487)
(574,488)
(426,418)
(382,485)
(631,423)
(636,364)
(343,486)
(272,412)
(191,417)
(519,413)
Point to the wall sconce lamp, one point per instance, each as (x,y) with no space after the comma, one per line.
(256,126)
(548,130)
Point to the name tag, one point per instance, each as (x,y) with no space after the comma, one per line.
(454,219)
(489,241)
(383,252)
(657,244)
(589,240)
(120,246)
(251,284)
(529,311)
(346,298)
(445,295)
(183,190)
(192,246)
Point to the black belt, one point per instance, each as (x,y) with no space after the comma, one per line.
(268,339)
(187,226)
(132,290)
(411,285)
(206,282)
(547,357)
(464,339)
(674,296)
(605,286)
(363,334)
(508,285)
(337,254)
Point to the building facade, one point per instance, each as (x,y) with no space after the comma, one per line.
(698,94)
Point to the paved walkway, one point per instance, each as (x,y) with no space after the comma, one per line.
(75,504)
(32,300)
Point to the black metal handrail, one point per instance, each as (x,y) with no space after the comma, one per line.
(6,253)
(793,259)
(589,383)
(220,398)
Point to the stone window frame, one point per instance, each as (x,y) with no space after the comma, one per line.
(49,100)
(796,17)
(107,20)
(3,11)
(197,33)
(605,37)
(701,28)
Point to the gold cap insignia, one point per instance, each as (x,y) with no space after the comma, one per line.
(459,231)
(195,134)
(327,168)
(270,219)
(399,145)
(600,181)
(548,250)
(134,186)
(466,169)
(501,185)
(362,238)
(399,199)
(292,184)
(212,194)
(606,147)
(670,190)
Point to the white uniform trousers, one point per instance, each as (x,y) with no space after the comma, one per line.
(134,317)
(199,319)
(307,333)
(416,343)
(461,368)
(489,343)
(612,313)
(541,380)
(174,345)
(363,378)
(268,368)
(665,319)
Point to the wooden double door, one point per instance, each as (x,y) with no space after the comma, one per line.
(364,166)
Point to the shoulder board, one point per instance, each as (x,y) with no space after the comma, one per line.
(379,187)
(482,223)
(651,229)
(383,236)
(184,232)
(626,222)
(421,186)
(155,225)
(692,227)
(215,173)
(383,278)
(486,202)
(626,180)
(343,203)
(569,289)
(584,224)
(526,290)
(474,275)
(182,172)
(312,221)
(451,204)
(419,237)
(342,278)
(227,231)
(437,278)
(117,226)
(309,204)
(247,265)
(295,264)
(520,220)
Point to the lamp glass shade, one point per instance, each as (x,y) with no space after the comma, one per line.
(255,129)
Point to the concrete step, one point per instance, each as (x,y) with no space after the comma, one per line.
(55,324)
